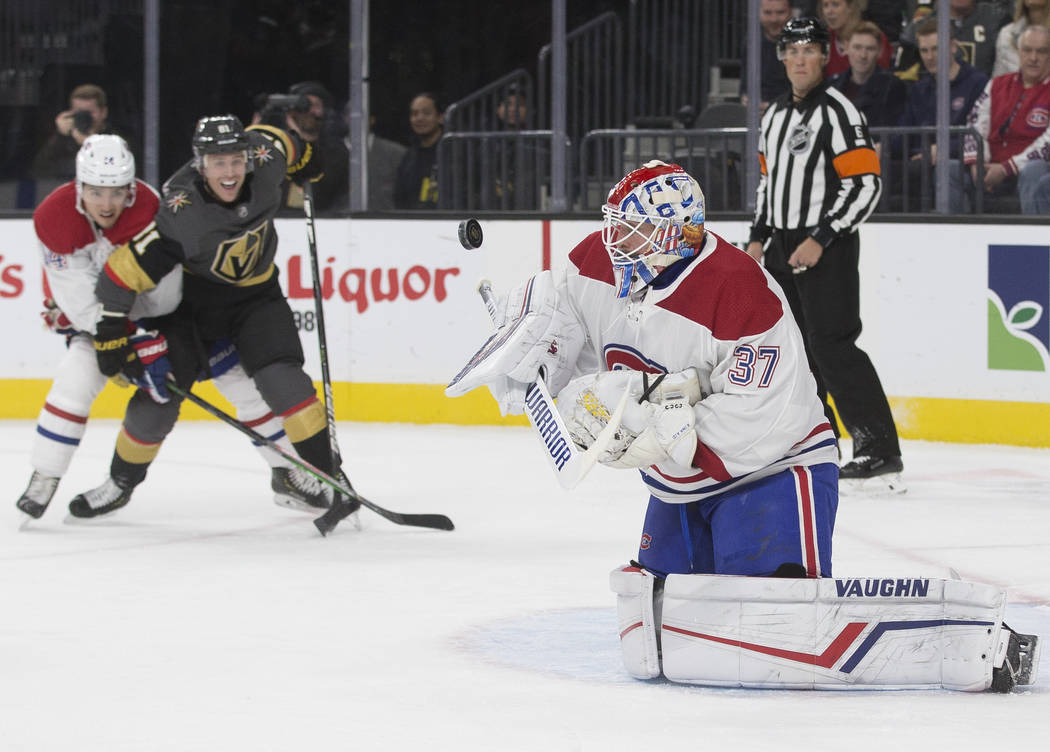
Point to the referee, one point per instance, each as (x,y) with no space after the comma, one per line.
(819,180)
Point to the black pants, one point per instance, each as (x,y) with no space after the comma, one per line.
(825,301)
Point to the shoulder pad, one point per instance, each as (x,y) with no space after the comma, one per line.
(263,139)
(58,224)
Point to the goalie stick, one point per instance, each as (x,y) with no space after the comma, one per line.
(436,521)
(570,464)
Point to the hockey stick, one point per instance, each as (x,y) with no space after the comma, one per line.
(567,461)
(436,521)
(322,339)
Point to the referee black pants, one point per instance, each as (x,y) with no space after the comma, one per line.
(825,301)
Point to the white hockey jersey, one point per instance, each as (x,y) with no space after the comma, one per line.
(721,313)
(74,251)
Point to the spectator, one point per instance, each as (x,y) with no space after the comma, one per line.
(512,111)
(965,84)
(976,26)
(842,17)
(875,92)
(1026,13)
(889,16)
(384,156)
(319,126)
(772,16)
(520,162)
(417,180)
(1011,116)
(57,158)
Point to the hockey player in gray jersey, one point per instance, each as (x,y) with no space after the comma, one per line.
(216,221)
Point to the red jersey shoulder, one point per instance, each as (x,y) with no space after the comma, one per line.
(58,224)
(726,292)
(592,260)
(135,217)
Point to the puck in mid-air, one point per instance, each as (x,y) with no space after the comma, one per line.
(470,234)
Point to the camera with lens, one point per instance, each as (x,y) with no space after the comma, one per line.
(274,107)
(293,102)
(83,121)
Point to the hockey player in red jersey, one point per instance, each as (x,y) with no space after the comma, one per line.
(78,226)
(215,226)
(732,583)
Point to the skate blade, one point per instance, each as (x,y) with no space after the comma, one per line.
(98,519)
(297,505)
(889,484)
(27,521)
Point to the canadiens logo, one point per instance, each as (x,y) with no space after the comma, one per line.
(798,141)
(958,103)
(1038,118)
(178,200)
(262,153)
(647,540)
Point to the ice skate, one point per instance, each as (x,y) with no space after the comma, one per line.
(1020,665)
(107,498)
(866,474)
(295,488)
(38,495)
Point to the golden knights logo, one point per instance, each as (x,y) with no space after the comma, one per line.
(237,259)
(262,154)
(177,200)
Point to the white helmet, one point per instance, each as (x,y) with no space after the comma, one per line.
(105,160)
(652,218)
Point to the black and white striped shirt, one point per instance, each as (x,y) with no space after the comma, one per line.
(819,170)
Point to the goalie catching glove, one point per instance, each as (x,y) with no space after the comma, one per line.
(534,337)
(658,425)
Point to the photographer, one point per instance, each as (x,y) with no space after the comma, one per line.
(308,110)
(86,116)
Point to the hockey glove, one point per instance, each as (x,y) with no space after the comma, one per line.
(308,165)
(112,347)
(55,320)
(538,332)
(651,430)
(151,353)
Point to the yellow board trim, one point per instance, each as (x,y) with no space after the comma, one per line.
(927,418)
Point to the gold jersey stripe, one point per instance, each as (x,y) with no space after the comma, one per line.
(135,452)
(307,422)
(124,265)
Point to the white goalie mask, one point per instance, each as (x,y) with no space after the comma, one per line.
(105,160)
(652,218)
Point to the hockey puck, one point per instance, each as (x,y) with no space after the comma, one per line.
(470,236)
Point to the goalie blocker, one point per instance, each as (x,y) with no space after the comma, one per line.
(759,632)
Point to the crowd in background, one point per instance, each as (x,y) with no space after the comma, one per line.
(883,57)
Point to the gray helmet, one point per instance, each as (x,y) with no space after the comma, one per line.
(219,134)
(803,31)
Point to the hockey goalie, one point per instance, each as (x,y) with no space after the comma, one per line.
(674,354)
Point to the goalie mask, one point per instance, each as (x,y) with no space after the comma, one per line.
(105,160)
(651,219)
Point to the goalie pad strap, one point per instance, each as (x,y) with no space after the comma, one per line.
(637,620)
(830,633)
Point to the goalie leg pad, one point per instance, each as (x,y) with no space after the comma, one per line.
(638,597)
(917,633)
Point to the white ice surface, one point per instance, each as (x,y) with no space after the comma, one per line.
(203,617)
